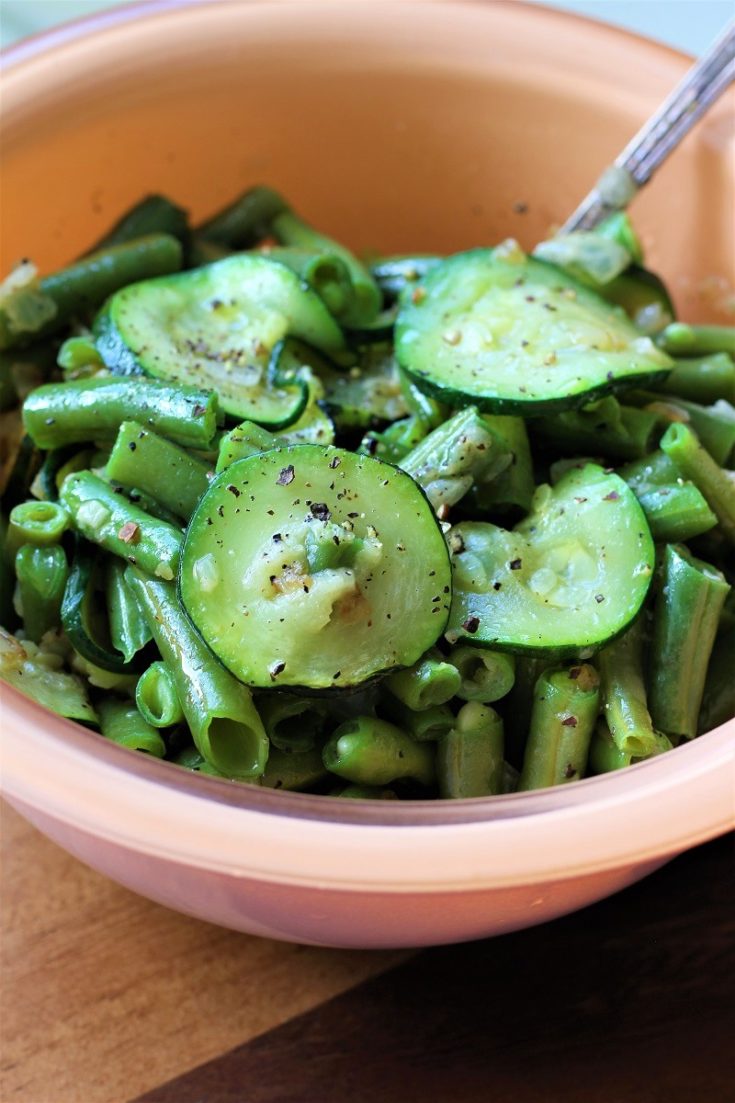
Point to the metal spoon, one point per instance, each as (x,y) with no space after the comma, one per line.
(696,92)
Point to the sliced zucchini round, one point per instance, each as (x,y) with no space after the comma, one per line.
(566,580)
(316,568)
(216,326)
(515,335)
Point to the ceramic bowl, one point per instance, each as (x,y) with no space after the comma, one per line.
(396,127)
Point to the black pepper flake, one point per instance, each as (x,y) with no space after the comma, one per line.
(132,445)
(270,512)
(337,674)
(497,585)
(233,490)
(335,461)
(599,598)
(611,497)
(569,770)
(286,476)
(321,511)
(569,722)
(353,514)
(221,511)
(471,625)
(199,410)
(515,564)
(609,377)
(276,668)
(371,446)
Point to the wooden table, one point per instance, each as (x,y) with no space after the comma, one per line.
(109,998)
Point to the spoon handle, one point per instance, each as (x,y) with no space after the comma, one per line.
(695,93)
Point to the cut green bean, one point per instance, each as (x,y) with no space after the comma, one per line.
(606,756)
(461,451)
(624,694)
(325,272)
(395,442)
(420,404)
(141,459)
(293,724)
(674,513)
(246,221)
(129,631)
(121,722)
(42,574)
(520,702)
(219,710)
(566,702)
(32,308)
(682,446)
(110,520)
(41,523)
(428,725)
(247,439)
(157,698)
(686,617)
(369,751)
(78,358)
(604,428)
(714,425)
(702,379)
(293,771)
(94,409)
(680,339)
(153,215)
(510,491)
(289,229)
(427,683)
(718,701)
(486,675)
(469,758)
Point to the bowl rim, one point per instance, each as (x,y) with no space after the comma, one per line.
(697,764)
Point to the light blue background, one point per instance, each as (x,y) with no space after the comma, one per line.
(689,25)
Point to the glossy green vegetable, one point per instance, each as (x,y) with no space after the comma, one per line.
(624,695)
(39,675)
(142,460)
(340,551)
(566,701)
(121,722)
(129,631)
(426,684)
(42,574)
(369,751)
(469,758)
(157,698)
(494,329)
(682,446)
(486,675)
(569,578)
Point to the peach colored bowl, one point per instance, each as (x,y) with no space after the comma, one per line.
(396,126)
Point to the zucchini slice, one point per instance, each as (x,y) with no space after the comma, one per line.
(515,335)
(566,580)
(217,326)
(315,567)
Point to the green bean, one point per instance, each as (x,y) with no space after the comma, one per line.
(156,697)
(113,522)
(289,229)
(41,523)
(606,755)
(624,694)
(219,710)
(42,573)
(680,339)
(38,675)
(566,701)
(420,404)
(461,451)
(702,379)
(247,439)
(154,465)
(486,675)
(293,724)
(510,491)
(121,722)
(718,701)
(369,751)
(325,272)
(129,631)
(153,215)
(203,252)
(246,221)
(682,446)
(364,792)
(469,758)
(678,512)
(78,358)
(39,308)
(293,771)
(714,425)
(604,428)
(686,616)
(520,702)
(427,683)
(395,442)
(427,725)
(93,409)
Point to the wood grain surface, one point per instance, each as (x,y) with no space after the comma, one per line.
(108,998)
